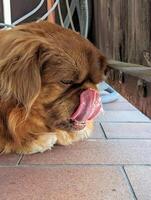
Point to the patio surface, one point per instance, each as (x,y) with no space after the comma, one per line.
(114,164)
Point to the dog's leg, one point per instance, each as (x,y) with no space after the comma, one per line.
(66,138)
(42,143)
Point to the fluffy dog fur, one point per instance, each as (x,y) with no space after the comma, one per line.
(43,69)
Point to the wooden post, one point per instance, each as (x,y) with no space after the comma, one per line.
(51,17)
(123,29)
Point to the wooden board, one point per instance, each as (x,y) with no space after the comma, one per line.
(135,84)
(123,29)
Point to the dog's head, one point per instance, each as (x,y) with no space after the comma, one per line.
(44,64)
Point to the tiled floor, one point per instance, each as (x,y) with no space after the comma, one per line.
(114,164)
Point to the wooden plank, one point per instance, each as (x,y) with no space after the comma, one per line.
(131,44)
(136,70)
(143,28)
(123,29)
(136,87)
(110,26)
(116,30)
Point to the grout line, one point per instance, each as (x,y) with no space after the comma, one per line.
(103,131)
(125,122)
(128,182)
(114,139)
(95,139)
(134,111)
(73,165)
(19,160)
(129,138)
(119,110)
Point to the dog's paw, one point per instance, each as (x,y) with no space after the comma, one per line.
(43,143)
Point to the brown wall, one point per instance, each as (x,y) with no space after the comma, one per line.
(123,28)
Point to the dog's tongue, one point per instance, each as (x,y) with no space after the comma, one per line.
(90,106)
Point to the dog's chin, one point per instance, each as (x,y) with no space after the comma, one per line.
(78,126)
(72,125)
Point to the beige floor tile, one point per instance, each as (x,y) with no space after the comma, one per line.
(122,116)
(96,152)
(72,183)
(10,159)
(97,131)
(127,130)
(140,178)
(119,106)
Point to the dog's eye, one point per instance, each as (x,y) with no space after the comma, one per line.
(67,82)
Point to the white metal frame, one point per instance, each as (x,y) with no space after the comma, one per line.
(7,11)
(75,4)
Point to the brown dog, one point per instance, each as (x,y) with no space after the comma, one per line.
(48,78)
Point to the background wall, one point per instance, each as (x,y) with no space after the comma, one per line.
(20,8)
(123,29)
(1,11)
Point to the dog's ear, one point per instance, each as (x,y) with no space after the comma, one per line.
(102,64)
(98,67)
(20,73)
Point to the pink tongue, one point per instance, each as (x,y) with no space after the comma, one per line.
(90,106)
